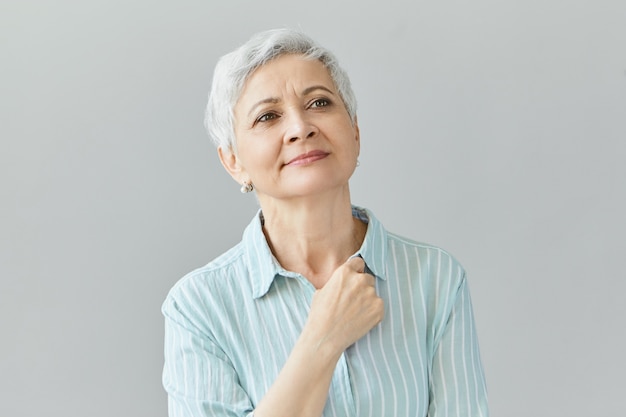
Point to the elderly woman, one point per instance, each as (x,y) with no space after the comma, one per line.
(318,311)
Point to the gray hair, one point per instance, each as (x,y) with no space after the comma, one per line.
(233,69)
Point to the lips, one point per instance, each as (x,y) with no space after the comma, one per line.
(308,157)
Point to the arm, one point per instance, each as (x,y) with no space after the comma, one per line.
(457,386)
(343,311)
(201,381)
(197,375)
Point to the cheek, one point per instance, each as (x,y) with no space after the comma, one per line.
(258,155)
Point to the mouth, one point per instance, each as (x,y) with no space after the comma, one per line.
(308,157)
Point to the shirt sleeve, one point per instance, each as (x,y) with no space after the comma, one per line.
(198,376)
(457,385)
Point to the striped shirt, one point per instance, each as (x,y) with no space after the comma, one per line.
(230,326)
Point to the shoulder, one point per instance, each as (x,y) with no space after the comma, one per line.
(425,253)
(429,271)
(406,257)
(203,284)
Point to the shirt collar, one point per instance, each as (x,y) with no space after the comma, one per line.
(264,267)
(374,247)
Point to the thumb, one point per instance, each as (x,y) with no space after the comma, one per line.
(356,263)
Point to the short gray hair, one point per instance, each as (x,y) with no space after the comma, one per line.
(233,69)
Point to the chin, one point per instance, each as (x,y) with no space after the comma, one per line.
(317,188)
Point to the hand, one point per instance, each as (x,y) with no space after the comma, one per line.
(346,308)
(342,312)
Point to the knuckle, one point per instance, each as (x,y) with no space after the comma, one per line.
(370,291)
(357,262)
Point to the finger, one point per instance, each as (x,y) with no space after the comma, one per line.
(368,279)
(356,264)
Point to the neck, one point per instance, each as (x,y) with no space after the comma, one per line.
(312,236)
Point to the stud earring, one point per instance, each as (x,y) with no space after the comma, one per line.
(246,187)
(358,163)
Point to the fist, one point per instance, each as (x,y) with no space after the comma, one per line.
(347,307)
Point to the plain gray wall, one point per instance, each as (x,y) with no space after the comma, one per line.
(495,129)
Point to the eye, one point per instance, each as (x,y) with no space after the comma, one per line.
(320,102)
(266,117)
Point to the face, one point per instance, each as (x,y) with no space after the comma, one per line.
(294,135)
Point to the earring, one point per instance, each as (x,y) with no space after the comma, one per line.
(358,163)
(246,187)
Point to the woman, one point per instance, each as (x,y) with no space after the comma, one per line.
(318,311)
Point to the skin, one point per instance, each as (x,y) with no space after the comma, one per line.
(298,146)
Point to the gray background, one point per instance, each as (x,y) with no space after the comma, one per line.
(495,129)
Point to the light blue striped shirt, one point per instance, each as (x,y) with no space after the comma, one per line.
(230,326)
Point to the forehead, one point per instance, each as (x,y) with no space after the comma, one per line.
(285,74)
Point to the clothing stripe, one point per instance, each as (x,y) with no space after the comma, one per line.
(230,326)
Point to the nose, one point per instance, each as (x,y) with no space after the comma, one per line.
(299,127)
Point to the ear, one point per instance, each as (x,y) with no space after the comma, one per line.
(357,136)
(231,164)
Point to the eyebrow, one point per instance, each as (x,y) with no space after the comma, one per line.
(309,90)
(274,100)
